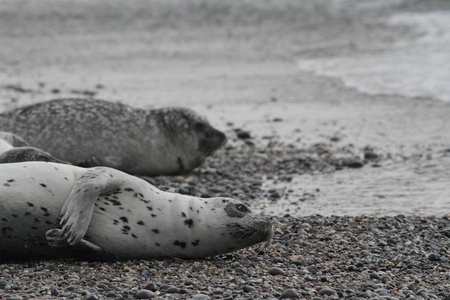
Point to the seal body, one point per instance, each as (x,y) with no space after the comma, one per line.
(101,133)
(14,149)
(50,210)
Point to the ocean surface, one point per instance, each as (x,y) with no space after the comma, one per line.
(413,65)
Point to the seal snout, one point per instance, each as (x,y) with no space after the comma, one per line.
(209,138)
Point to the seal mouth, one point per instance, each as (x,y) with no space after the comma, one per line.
(252,233)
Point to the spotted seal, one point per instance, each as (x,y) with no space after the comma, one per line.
(91,133)
(107,214)
(15,149)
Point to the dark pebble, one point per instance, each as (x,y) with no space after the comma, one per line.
(248,288)
(370,156)
(172,290)
(111,294)
(200,297)
(434,257)
(151,287)
(289,294)
(55,292)
(353,163)
(275,271)
(446,232)
(145,294)
(352,268)
(327,292)
(241,134)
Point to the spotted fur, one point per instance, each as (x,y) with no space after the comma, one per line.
(89,133)
(50,210)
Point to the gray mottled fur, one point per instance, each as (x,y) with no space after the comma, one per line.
(95,132)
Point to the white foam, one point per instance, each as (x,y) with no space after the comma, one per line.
(415,68)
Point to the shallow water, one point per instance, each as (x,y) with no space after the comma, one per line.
(415,66)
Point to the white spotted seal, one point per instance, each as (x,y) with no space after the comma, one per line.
(14,149)
(107,214)
(90,133)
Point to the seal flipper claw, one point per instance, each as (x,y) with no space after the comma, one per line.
(79,206)
(55,238)
(90,162)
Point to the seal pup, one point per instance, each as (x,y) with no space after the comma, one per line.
(100,133)
(15,149)
(50,210)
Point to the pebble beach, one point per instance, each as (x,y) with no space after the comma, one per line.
(310,257)
(315,257)
(355,180)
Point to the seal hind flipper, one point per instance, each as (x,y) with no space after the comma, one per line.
(77,210)
(55,238)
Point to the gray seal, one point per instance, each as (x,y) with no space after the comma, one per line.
(50,210)
(89,133)
(13,149)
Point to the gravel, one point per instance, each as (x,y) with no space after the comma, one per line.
(312,257)
(316,256)
(241,167)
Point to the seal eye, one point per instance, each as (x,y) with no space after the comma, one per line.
(241,208)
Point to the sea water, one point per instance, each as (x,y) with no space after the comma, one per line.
(415,66)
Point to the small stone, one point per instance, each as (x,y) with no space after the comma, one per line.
(446,232)
(55,292)
(111,294)
(352,268)
(241,134)
(327,292)
(151,287)
(370,156)
(290,293)
(353,163)
(374,276)
(200,297)
(248,288)
(382,291)
(434,257)
(275,271)
(91,297)
(173,290)
(145,294)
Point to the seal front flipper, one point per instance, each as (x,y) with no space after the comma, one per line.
(55,238)
(77,210)
(89,162)
(111,161)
